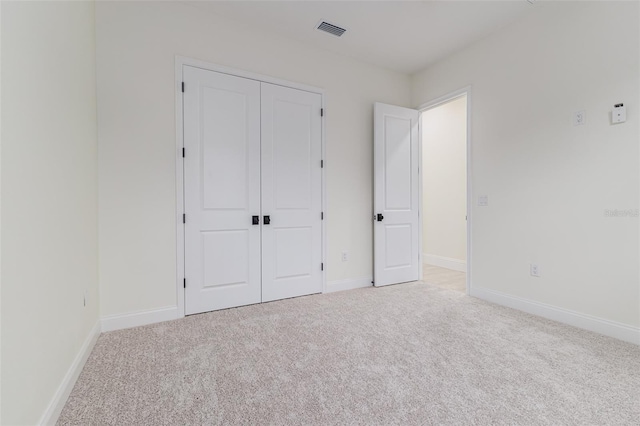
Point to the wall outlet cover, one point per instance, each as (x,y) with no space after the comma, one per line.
(534,270)
(618,114)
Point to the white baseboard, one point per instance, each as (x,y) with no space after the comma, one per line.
(588,322)
(444,262)
(51,414)
(349,284)
(135,319)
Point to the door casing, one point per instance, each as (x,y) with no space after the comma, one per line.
(180,62)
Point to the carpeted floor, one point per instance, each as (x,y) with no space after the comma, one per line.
(405,354)
(444,278)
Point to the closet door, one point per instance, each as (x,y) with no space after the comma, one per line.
(222,190)
(291,192)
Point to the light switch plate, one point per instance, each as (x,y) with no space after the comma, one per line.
(619,114)
(579,118)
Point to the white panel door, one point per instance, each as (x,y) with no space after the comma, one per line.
(291,192)
(222,190)
(396,195)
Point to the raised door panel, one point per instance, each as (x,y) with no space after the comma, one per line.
(224,150)
(397,170)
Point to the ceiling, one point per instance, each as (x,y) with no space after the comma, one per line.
(405,36)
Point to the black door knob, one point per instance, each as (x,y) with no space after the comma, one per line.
(266,220)
(255,220)
(379,217)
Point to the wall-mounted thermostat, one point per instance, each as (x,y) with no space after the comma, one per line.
(619,114)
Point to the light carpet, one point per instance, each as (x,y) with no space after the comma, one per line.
(404,354)
(444,278)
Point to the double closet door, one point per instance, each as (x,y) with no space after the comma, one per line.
(252,189)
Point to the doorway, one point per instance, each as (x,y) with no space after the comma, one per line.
(444,180)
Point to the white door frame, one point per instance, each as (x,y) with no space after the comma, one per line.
(180,62)
(427,106)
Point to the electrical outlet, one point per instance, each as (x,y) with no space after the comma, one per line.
(345,256)
(579,118)
(535,270)
(483,200)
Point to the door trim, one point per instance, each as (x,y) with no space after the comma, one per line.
(180,62)
(427,106)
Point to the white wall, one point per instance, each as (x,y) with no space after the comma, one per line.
(49,199)
(444,181)
(136,47)
(549,183)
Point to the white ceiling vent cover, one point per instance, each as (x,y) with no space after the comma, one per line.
(330,28)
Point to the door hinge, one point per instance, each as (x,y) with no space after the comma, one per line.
(184,283)
(184,218)
(321,164)
(321,215)
(321,112)
(322,266)
(183,87)
(182,152)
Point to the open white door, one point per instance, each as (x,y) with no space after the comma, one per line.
(396,195)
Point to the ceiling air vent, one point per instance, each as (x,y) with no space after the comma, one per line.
(331,29)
